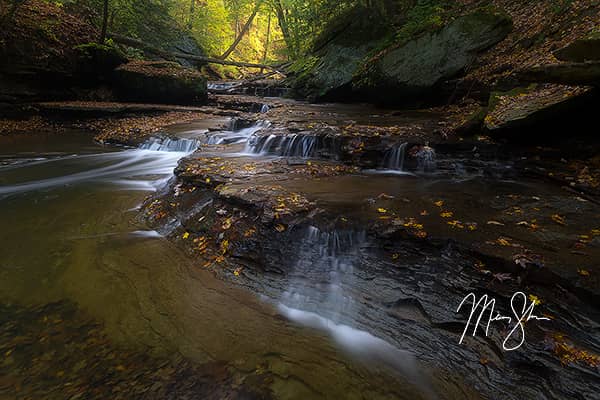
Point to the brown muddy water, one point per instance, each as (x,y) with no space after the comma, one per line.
(94,305)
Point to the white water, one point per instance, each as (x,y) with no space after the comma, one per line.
(394,157)
(146,168)
(393,161)
(316,298)
(298,145)
(357,342)
(240,136)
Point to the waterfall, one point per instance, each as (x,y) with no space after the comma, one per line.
(265,108)
(237,136)
(426,159)
(171,145)
(316,298)
(325,265)
(394,157)
(298,145)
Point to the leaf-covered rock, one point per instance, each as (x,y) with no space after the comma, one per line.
(159,82)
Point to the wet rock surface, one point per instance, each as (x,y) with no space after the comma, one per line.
(296,217)
(381,221)
(57,352)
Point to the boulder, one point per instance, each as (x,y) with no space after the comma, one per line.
(580,50)
(545,108)
(159,82)
(326,74)
(416,67)
(569,73)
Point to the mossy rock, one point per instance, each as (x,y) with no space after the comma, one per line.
(159,82)
(414,68)
(99,60)
(326,74)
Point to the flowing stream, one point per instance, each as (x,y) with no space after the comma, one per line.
(70,233)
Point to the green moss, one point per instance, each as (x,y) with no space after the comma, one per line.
(425,16)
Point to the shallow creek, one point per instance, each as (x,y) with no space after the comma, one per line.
(69,234)
(331,307)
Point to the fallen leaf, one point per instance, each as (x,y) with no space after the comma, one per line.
(280,228)
(186,235)
(495,223)
(583,272)
(559,220)
(535,300)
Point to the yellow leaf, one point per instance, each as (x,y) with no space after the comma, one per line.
(503,242)
(447,214)
(535,300)
(186,235)
(226,224)
(207,180)
(439,203)
(583,272)
(558,219)
(381,210)
(280,228)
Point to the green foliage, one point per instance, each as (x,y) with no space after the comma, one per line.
(560,6)
(425,16)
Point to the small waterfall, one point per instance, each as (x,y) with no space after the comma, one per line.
(325,265)
(265,108)
(239,136)
(316,297)
(394,157)
(177,145)
(298,145)
(426,159)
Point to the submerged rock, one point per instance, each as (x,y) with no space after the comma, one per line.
(159,82)
(416,67)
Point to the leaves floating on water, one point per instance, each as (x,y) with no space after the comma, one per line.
(280,228)
(559,220)
(495,223)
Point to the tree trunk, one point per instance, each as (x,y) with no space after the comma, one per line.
(245,29)
(282,20)
(267,42)
(104,23)
(174,56)
(191,15)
